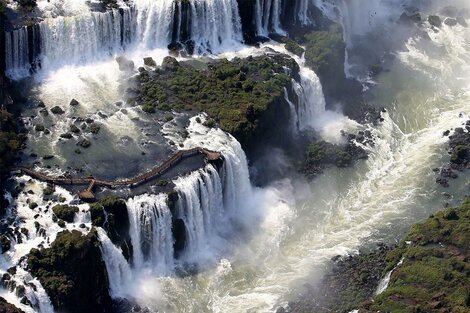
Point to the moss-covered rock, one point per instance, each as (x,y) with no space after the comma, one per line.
(65,212)
(72,272)
(321,154)
(111,214)
(431,277)
(434,274)
(236,94)
(148,61)
(10,143)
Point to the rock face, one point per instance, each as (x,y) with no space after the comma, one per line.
(72,273)
(352,280)
(459,150)
(244,96)
(6,307)
(322,154)
(114,211)
(431,277)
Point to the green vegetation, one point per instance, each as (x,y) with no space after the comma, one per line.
(111,214)
(72,272)
(434,275)
(84,143)
(325,55)
(65,212)
(234,93)
(95,128)
(10,142)
(321,154)
(162,183)
(49,190)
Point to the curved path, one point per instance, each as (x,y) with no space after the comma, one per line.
(132,182)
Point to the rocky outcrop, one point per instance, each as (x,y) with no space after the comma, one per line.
(111,214)
(429,272)
(6,307)
(350,281)
(321,154)
(459,151)
(72,272)
(245,97)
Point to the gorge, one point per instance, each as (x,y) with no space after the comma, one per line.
(327,118)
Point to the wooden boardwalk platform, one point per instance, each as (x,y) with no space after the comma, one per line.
(92,182)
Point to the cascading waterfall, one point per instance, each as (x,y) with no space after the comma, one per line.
(119,271)
(72,40)
(210,25)
(310,99)
(268,17)
(151,233)
(21,48)
(301,8)
(200,206)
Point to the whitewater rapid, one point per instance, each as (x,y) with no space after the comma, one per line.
(253,248)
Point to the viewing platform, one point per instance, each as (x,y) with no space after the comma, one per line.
(92,182)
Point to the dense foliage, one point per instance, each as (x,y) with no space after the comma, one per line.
(234,93)
(321,154)
(434,275)
(72,272)
(9,140)
(111,214)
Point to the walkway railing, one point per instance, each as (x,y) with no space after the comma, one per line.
(93,182)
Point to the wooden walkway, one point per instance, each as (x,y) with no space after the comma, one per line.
(92,182)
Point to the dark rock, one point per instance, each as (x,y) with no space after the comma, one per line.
(435,21)
(114,211)
(66,136)
(450,21)
(74,102)
(5,243)
(148,61)
(85,143)
(6,307)
(57,110)
(47,157)
(72,270)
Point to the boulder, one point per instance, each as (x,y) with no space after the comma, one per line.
(74,102)
(435,20)
(170,63)
(6,307)
(125,64)
(148,61)
(450,21)
(57,110)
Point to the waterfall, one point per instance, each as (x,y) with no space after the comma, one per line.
(203,25)
(119,272)
(268,17)
(21,49)
(311,101)
(200,206)
(301,9)
(151,233)
(72,40)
